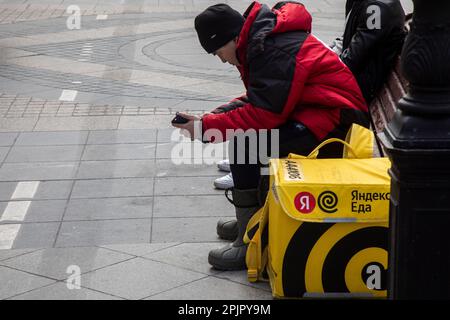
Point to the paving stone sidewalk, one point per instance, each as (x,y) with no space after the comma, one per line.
(89,183)
(112,203)
(142,271)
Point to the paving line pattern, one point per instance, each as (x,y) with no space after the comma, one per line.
(17,106)
(16,211)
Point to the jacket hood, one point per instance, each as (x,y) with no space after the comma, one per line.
(261,21)
(291,16)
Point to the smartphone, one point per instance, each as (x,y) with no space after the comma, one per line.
(179,119)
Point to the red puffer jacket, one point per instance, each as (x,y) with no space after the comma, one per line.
(290,75)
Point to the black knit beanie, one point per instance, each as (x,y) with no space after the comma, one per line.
(218,25)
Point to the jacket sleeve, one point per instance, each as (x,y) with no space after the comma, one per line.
(233,104)
(370,33)
(272,94)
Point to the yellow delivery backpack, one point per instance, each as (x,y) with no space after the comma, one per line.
(323,230)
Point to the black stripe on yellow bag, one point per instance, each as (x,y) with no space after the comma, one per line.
(328,258)
(328,224)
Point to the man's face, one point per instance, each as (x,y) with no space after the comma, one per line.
(227,53)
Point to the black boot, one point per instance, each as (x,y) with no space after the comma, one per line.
(227,229)
(232,255)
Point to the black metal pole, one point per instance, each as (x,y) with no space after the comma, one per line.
(417,141)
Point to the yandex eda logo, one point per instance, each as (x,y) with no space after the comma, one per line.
(305,202)
(328,202)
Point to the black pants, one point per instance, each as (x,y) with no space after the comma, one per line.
(293,138)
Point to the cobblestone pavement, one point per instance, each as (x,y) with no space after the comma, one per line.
(86,172)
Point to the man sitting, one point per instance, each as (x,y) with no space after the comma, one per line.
(296,86)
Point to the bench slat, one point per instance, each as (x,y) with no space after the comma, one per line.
(389,105)
(378,117)
(396,87)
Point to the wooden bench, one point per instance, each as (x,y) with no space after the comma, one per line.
(383,107)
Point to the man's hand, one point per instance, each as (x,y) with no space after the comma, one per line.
(188,127)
